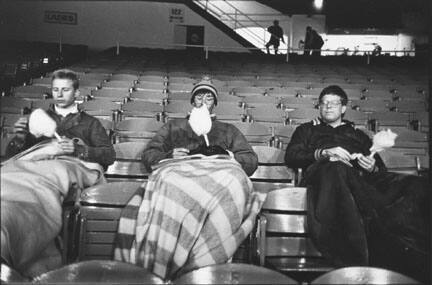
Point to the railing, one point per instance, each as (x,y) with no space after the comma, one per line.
(234,19)
(289,51)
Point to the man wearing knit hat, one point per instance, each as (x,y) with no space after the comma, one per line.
(202,206)
(199,132)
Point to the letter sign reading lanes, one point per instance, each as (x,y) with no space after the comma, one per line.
(57,17)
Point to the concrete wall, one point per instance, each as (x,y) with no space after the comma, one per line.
(100,24)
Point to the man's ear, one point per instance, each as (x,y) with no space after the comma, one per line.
(343,109)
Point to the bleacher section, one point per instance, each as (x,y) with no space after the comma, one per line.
(135,93)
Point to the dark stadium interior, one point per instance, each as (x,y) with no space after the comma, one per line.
(138,64)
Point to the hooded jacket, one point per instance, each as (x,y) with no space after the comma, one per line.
(179,134)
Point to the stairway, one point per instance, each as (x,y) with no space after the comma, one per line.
(248,20)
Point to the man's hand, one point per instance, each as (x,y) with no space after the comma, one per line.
(366,162)
(67,145)
(337,153)
(21,127)
(179,152)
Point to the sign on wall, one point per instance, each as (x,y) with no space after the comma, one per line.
(56,17)
(176,15)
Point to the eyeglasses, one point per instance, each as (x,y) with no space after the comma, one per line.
(205,96)
(330,103)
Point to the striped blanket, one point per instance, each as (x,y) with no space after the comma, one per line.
(191,214)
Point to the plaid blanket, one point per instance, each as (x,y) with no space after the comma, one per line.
(191,214)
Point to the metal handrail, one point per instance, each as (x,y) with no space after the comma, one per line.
(208,48)
(254,35)
(253,21)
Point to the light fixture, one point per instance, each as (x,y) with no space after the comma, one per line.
(318,4)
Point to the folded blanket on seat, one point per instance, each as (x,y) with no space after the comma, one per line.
(192,213)
(32,192)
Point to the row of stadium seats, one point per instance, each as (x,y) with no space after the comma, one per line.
(239,86)
(101,271)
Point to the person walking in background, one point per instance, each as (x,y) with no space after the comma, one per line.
(276,35)
(313,42)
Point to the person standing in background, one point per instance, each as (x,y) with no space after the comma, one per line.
(276,35)
(313,42)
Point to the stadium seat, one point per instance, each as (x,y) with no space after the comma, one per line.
(282,92)
(180,87)
(148,96)
(229,111)
(370,105)
(396,161)
(98,271)
(153,78)
(43,103)
(32,92)
(292,103)
(255,133)
(128,164)
(179,109)
(136,129)
(281,237)
(150,86)
(253,100)
(119,85)
(178,96)
(229,98)
(357,117)
(181,79)
(245,91)
(363,275)
(90,83)
(282,135)
(271,166)
(100,207)
(408,106)
(114,95)
(302,115)
(420,122)
(142,109)
(44,81)
(124,77)
(7,122)
(266,113)
(389,119)
(233,273)
(14,105)
(100,108)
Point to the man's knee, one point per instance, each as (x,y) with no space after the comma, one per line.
(335,167)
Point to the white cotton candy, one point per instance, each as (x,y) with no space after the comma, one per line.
(382,140)
(40,124)
(200,121)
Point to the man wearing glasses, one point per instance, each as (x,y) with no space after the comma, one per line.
(195,210)
(358,213)
(177,138)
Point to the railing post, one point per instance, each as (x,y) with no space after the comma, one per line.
(206,52)
(235,20)
(368,58)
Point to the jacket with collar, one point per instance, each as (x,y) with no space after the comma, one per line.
(75,125)
(178,133)
(315,135)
